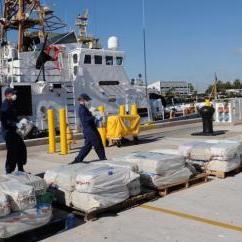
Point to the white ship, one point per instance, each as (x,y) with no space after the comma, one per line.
(78,64)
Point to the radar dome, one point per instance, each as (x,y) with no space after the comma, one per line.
(113,43)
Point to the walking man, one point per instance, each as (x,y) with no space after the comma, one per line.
(16,149)
(91,134)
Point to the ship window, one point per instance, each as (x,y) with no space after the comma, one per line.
(75,58)
(108,83)
(87,59)
(119,60)
(75,70)
(109,60)
(98,59)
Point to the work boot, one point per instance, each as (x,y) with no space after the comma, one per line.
(75,162)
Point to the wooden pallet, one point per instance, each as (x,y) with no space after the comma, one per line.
(146,195)
(222,174)
(198,179)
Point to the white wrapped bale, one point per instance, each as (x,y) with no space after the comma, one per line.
(201,151)
(185,149)
(36,182)
(210,149)
(166,151)
(101,185)
(90,202)
(224,166)
(226,150)
(19,222)
(154,180)
(4,205)
(119,162)
(63,176)
(155,163)
(101,178)
(134,186)
(21,196)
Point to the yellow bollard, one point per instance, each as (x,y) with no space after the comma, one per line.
(122,110)
(134,110)
(102,130)
(63,138)
(101,109)
(51,129)
(69,137)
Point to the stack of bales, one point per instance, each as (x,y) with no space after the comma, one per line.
(158,169)
(223,155)
(93,186)
(19,209)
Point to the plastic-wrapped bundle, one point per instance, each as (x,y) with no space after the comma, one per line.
(133,186)
(101,178)
(185,149)
(154,180)
(21,196)
(156,163)
(19,222)
(225,166)
(201,151)
(63,176)
(90,202)
(166,151)
(4,205)
(36,182)
(101,185)
(226,149)
(119,162)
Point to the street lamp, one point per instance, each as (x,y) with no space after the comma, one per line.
(145,62)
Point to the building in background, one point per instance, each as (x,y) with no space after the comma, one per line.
(181,88)
(138,81)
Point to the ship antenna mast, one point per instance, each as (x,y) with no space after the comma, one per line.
(23,15)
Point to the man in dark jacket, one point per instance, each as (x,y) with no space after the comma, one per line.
(16,149)
(90,132)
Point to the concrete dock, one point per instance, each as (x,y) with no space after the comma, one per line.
(208,212)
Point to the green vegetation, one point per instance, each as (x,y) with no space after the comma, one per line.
(222,86)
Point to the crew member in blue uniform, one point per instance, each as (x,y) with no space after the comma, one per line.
(16,149)
(91,134)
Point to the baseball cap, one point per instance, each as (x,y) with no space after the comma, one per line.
(9,90)
(84,96)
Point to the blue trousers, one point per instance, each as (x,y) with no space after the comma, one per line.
(92,139)
(16,152)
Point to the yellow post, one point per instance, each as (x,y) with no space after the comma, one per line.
(134,110)
(101,109)
(51,129)
(122,110)
(69,137)
(63,138)
(102,129)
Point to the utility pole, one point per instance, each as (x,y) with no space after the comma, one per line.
(21,18)
(145,62)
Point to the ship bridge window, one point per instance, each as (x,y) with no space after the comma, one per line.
(109,83)
(98,59)
(87,59)
(119,60)
(75,58)
(109,60)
